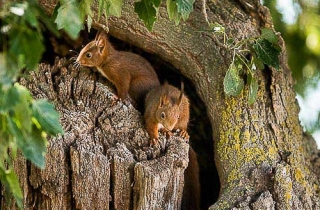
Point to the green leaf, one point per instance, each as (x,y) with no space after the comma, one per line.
(47,21)
(103,9)
(230,41)
(147,11)
(185,7)
(100,7)
(47,116)
(28,44)
(253,89)
(31,14)
(69,18)
(233,83)
(32,144)
(268,34)
(172,10)
(258,62)
(22,111)
(239,63)
(10,180)
(267,52)
(85,8)
(37,146)
(110,7)
(85,11)
(9,98)
(8,69)
(115,7)
(5,137)
(3,66)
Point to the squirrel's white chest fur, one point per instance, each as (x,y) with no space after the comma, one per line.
(160,126)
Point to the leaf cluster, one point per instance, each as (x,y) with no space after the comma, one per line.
(147,10)
(24,121)
(21,34)
(249,55)
(70,14)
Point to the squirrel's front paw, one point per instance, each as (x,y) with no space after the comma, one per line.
(154,142)
(184,134)
(167,132)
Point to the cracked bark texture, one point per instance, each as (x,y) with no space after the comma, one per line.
(264,159)
(103,160)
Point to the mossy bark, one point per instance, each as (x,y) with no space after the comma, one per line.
(261,153)
(259,149)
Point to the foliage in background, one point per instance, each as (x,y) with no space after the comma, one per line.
(262,49)
(177,10)
(24,121)
(302,38)
(147,10)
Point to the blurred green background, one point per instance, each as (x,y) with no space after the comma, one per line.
(299,23)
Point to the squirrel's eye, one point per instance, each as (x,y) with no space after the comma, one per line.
(89,55)
(163,115)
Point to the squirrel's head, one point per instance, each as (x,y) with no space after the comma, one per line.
(95,52)
(168,112)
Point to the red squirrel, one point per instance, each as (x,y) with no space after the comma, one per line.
(130,73)
(166,109)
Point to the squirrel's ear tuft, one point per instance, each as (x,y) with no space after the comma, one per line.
(163,101)
(101,40)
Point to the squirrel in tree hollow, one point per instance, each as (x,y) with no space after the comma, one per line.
(130,73)
(166,109)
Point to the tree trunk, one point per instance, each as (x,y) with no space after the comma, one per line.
(103,156)
(263,158)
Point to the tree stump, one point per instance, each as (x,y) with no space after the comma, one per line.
(103,160)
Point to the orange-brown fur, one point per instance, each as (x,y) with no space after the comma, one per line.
(168,106)
(130,73)
(166,109)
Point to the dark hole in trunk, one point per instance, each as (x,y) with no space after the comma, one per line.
(199,128)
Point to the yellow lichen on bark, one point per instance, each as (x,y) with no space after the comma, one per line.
(242,140)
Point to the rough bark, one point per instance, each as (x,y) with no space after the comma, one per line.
(263,158)
(259,149)
(101,161)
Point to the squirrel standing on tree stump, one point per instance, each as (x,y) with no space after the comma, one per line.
(130,73)
(166,109)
